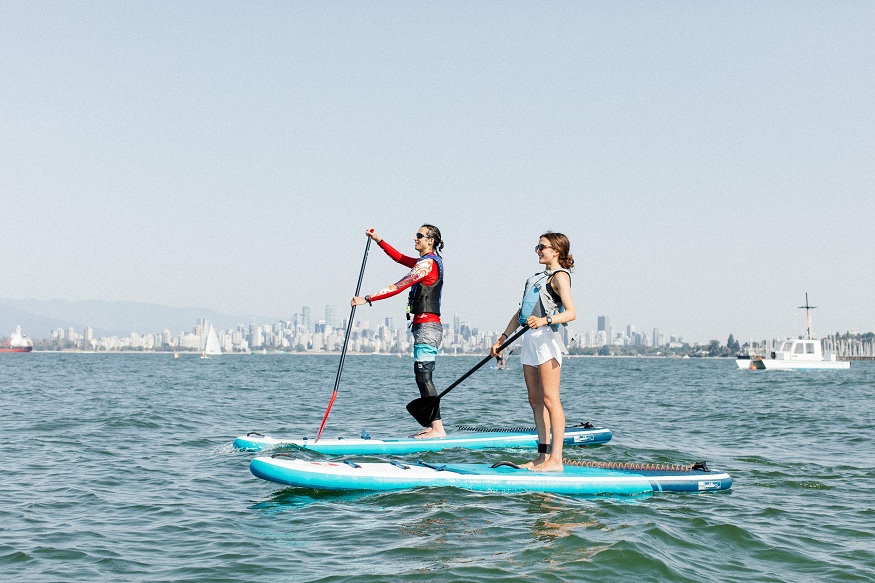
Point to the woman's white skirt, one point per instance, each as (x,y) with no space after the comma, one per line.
(540,345)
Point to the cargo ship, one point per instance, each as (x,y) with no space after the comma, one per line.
(17,342)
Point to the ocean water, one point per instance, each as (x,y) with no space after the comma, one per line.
(120,468)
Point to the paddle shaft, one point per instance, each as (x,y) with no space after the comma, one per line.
(358,288)
(507,343)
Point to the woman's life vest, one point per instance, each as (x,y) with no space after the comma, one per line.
(426,299)
(539,299)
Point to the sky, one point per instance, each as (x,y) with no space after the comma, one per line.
(710,162)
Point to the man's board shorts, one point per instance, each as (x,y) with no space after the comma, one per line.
(426,341)
(540,345)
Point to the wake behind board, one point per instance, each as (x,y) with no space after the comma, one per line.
(467,437)
(591,478)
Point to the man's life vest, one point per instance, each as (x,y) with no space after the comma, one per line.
(426,299)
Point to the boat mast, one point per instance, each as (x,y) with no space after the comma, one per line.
(806,307)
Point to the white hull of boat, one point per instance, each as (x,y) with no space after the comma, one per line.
(774,364)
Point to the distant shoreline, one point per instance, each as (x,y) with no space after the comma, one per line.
(282,353)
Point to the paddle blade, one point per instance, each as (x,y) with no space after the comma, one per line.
(424,409)
(327,411)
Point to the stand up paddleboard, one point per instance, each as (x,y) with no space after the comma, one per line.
(585,478)
(466,437)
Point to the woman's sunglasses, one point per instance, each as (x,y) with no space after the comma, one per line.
(541,247)
(421,236)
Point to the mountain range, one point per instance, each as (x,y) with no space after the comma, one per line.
(38,318)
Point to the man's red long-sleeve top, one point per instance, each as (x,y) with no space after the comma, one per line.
(424,271)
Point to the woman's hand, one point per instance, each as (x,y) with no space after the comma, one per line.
(535,322)
(373,235)
(494,351)
(357,301)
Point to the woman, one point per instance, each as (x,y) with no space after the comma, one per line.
(425,280)
(547,302)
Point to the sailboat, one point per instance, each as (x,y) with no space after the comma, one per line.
(211,346)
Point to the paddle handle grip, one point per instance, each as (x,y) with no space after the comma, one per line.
(506,343)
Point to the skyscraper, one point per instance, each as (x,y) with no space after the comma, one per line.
(305,318)
(329,316)
(256,338)
(658,339)
(604,325)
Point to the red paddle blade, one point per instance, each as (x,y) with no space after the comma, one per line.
(324,419)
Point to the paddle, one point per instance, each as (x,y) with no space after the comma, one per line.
(424,409)
(358,288)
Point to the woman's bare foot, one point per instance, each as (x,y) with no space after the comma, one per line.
(539,461)
(548,466)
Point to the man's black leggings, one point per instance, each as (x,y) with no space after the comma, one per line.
(423,371)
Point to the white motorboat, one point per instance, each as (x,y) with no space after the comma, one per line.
(796,353)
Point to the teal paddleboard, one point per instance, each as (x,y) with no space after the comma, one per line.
(591,479)
(466,437)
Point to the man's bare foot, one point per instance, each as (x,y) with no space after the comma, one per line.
(429,433)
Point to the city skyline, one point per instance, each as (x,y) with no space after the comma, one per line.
(243,337)
(708,164)
(305,320)
(602,329)
(299,335)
